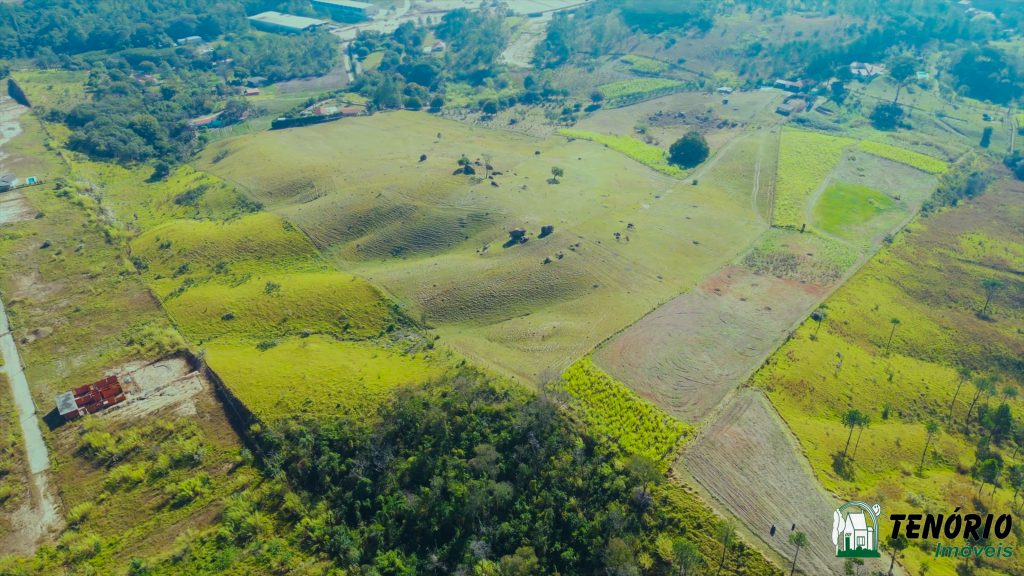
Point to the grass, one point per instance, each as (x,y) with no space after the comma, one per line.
(930,279)
(625,91)
(436,240)
(317,375)
(845,207)
(805,160)
(644,65)
(646,154)
(613,410)
(57,89)
(13,471)
(917,160)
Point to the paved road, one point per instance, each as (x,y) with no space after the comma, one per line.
(38,456)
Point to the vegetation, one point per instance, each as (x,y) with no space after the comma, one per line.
(689,151)
(629,91)
(805,160)
(613,410)
(646,154)
(917,160)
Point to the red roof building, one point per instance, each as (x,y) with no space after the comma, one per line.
(90,398)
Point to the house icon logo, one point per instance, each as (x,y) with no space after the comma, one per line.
(855,530)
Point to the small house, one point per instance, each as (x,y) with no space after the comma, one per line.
(725,90)
(90,398)
(189,41)
(789,85)
(857,535)
(8,182)
(251,92)
(866,70)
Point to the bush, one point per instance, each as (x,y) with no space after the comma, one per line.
(689,151)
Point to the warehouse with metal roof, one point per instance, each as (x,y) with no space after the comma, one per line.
(279,22)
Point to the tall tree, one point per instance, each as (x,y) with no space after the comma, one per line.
(685,556)
(964,374)
(989,471)
(851,419)
(798,539)
(896,546)
(901,69)
(818,316)
(724,533)
(982,385)
(895,322)
(991,287)
(1015,475)
(689,151)
(932,428)
(864,422)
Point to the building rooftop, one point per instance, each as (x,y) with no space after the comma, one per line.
(289,21)
(345,4)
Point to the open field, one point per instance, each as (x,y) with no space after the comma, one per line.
(688,354)
(805,161)
(650,156)
(58,89)
(930,280)
(625,237)
(751,442)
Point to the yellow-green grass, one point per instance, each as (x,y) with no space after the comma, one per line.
(143,204)
(917,160)
(435,240)
(373,60)
(13,471)
(845,208)
(57,89)
(318,302)
(805,159)
(612,409)
(192,250)
(644,153)
(644,64)
(625,90)
(317,375)
(931,281)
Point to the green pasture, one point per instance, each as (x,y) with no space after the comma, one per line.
(437,240)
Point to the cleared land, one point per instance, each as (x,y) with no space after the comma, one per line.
(626,238)
(751,442)
(930,279)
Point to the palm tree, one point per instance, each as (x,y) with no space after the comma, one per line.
(932,429)
(798,539)
(865,421)
(991,286)
(895,322)
(897,545)
(964,373)
(851,418)
(983,385)
(724,533)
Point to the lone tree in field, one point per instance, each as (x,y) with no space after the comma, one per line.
(864,422)
(851,419)
(798,539)
(818,316)
(724,533)
(556,173)
(896,546)
(932,428)
(901,68)
(964,373)
(689,151)
(991,286)
(989,471)
(895,322)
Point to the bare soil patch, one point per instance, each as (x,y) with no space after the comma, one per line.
(688,354)
(14,208)
(769,482)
